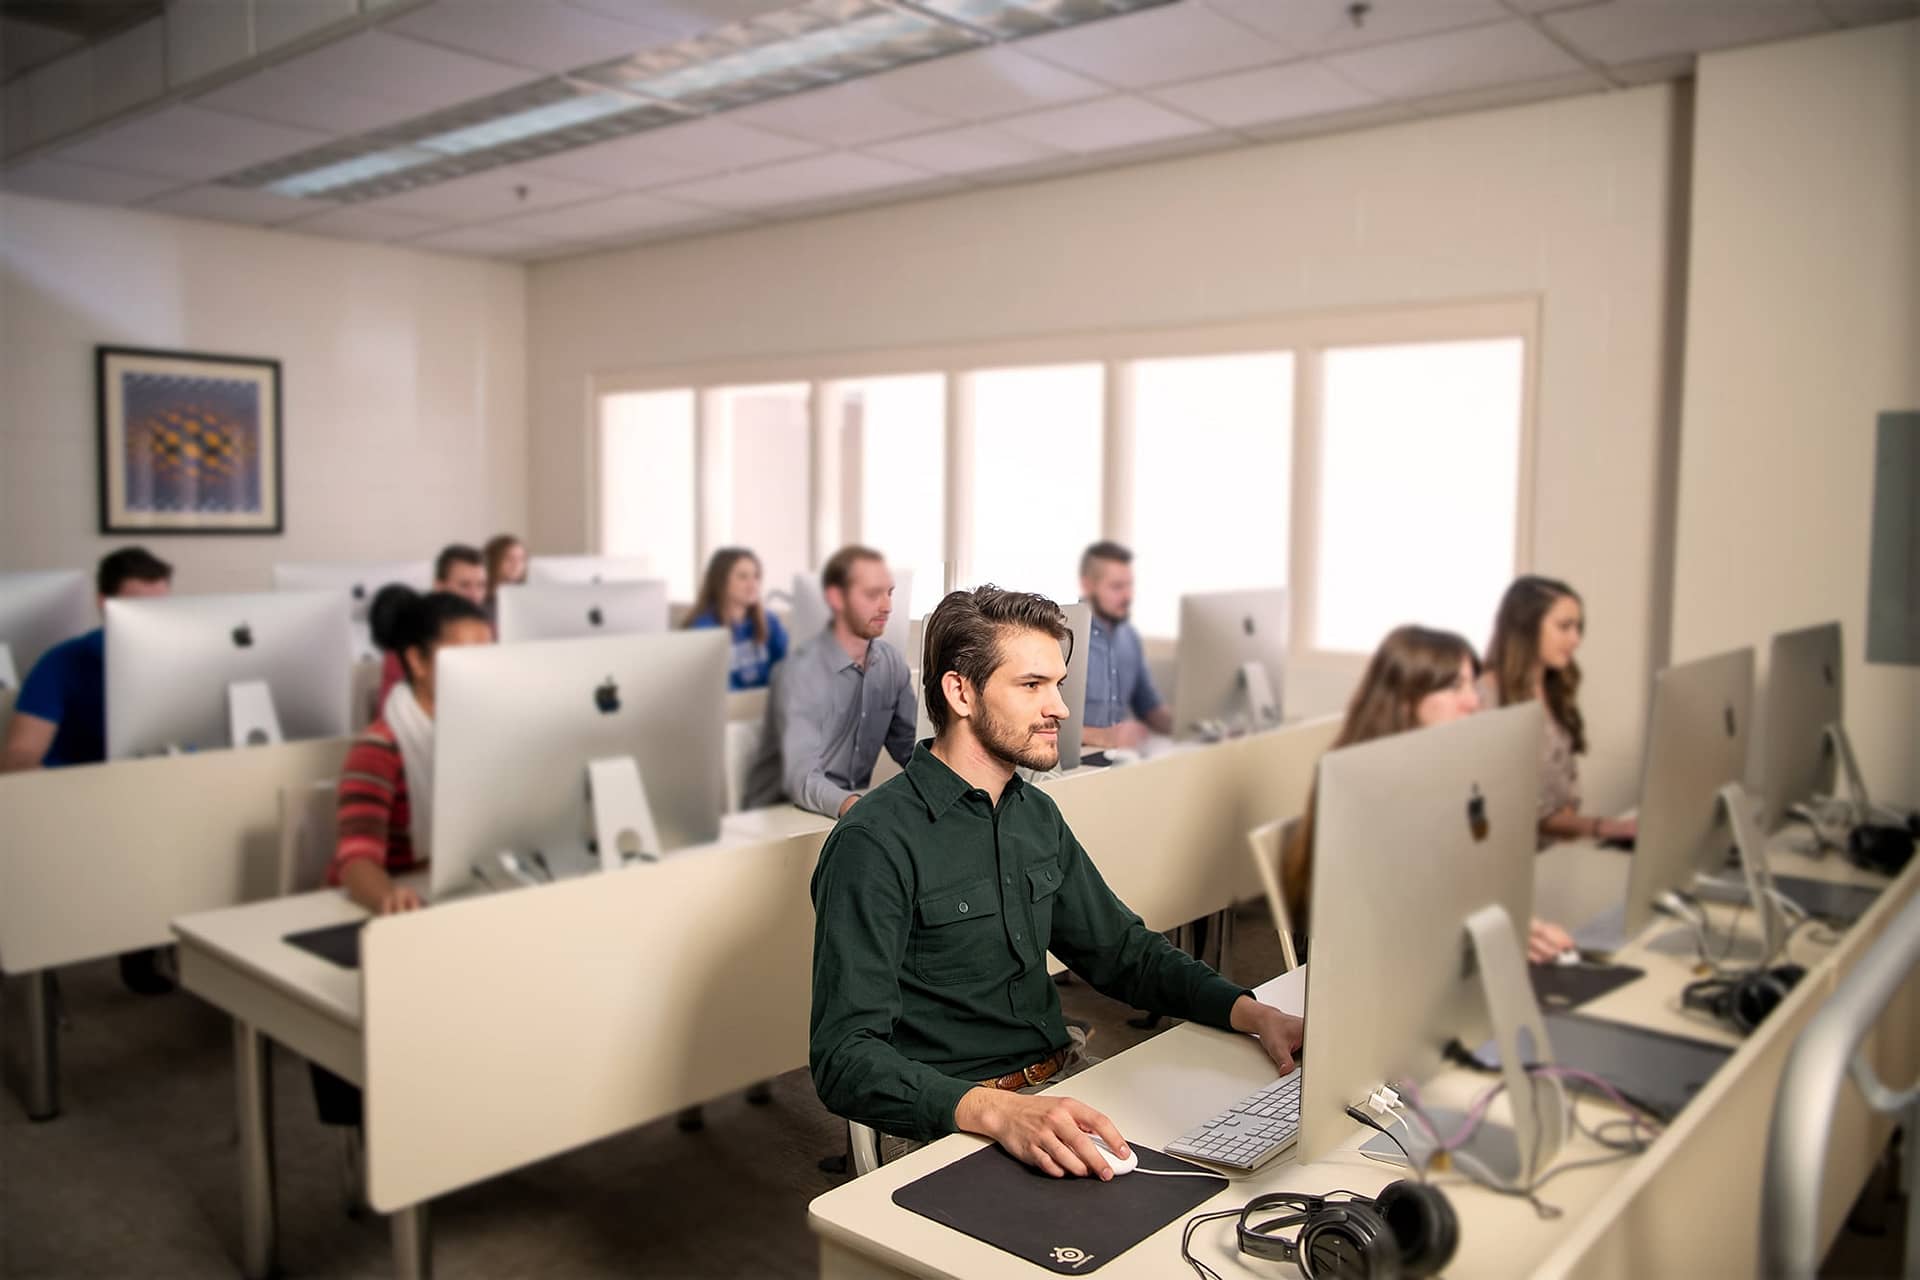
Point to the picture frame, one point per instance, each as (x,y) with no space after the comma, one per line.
(190,443)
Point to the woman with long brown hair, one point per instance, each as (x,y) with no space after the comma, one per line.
(730,598)
(1536,632)
(1417,677)
(506,559)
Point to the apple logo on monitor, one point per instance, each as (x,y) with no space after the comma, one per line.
(607,697)
(1730,727)
(243,636)
(359,591)
(1477,814)
(595,617)
(1826,669)
(1247,624)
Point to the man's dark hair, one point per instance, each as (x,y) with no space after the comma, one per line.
(840,565)
(1105,549)
(130,564)
(963,635)
(458,553)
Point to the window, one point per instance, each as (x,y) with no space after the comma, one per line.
(894,457)
(647,483)
(1037,465)
(1212,468)
(1419,488)
(761,443)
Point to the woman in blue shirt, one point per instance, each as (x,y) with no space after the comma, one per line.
(730,597)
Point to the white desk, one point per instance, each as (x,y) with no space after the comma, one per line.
(1687,1207)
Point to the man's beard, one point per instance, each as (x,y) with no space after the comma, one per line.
(862,626)
(1016,747)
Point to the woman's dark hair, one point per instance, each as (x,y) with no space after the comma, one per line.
(402,619)
(963,633)
(1516,647)
(496,555)
(713,592)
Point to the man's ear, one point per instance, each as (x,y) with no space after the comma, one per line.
(958,693)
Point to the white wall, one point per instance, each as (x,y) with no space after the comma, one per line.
(1803,322)
(1570,201)
(403,383)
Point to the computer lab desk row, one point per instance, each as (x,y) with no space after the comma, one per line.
(1689,1206)
(497,1031)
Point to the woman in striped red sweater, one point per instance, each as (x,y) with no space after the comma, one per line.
(386,799)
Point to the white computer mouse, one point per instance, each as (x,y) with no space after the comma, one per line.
(1122,755)
(1119,1164)
(1567,959)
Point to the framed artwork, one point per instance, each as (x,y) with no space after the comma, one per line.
(189,443)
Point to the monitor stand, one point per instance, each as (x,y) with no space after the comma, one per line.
(1520,1152)
(9,676)
(1253,707)
(251,719)
(1737,809)
(1858,804)
(622,820)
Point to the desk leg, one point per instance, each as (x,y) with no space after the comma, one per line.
(253,1081)
(412,1244)
(43,1048)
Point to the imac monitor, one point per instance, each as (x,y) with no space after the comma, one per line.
(1074,691)
(585,570)
(38,611)
(1414,835)
(518,728)
(1804,697)
(808,615)
(172,664)
(572,611)
(360,581)
(1230,663)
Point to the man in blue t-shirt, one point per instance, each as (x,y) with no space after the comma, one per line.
(60,717)
(1123,704)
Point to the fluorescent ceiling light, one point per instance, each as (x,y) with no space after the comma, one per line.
(523,125)
(347,173)
(1008,19)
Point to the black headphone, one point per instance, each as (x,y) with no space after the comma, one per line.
(1885,849)
(1406,1232)
(1746,1000)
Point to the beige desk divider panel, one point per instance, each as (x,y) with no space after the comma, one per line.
(506,1029)
(1169,834)
(99,859)
(747,704)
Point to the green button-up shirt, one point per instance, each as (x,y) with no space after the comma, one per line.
(933,914)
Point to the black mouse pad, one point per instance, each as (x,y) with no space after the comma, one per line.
(1068,1225)
(336,944)
(1651,1069)
(1560,987)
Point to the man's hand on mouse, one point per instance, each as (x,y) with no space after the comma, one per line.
(1046,1130)
(1280,1034)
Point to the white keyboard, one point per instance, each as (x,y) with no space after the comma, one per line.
(1250,1132)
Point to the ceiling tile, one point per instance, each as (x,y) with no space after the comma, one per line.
(676,153)
(229,204)
(204,36)
(362,222)
(189,143)
(1103,125)
(1507,95)
(982,83)
(60,96)
(543,34)
(682,18)
(607,219)
(484,197)
(814,178)
(842,115)
(1501,53)
(129,69)
(1862,13)
(1323,26)
(1155,46)
(1635,31)
(366,81)
(972,149)
(480,241)
(275,22)
(1337,121)
(1263,96)
(59,181)
(24,45)
(15,126)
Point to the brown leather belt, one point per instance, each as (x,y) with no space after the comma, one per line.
(1039,1073)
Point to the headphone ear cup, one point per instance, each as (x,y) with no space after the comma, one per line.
(1760,993)
(1423,1224)
(1348,1242)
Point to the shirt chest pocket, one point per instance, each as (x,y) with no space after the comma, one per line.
(958,936)
(1043,883)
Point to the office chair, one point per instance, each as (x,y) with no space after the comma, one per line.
(1265,843)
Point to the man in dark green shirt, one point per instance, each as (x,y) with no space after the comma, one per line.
(938,896)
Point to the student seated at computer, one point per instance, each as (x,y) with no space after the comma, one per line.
(506,558)
(60,717)
(1416,678)
(1536,632)
(939,896)
(730,598)
(1123,705)
(458,570)
(841,697)
(386,797)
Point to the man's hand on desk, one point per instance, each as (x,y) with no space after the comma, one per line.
(398,899)
(1280,1034)
(1046,1131)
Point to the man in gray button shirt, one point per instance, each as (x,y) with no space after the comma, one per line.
(837,699)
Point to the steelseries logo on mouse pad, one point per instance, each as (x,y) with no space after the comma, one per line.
(1477,814)
(1068,1256)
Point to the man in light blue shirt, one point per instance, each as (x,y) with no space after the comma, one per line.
(1123,706)
(838,699)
